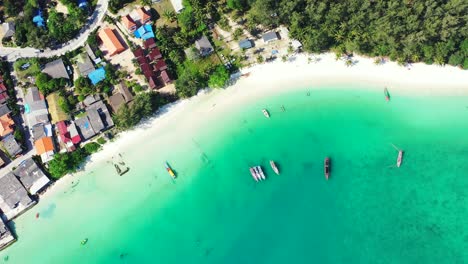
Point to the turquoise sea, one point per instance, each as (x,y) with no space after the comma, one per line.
(368,212)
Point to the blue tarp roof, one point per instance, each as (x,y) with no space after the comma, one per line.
(97,75)
(38,19)
(144,32)
(82,3)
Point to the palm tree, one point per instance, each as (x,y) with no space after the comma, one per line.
(169,15)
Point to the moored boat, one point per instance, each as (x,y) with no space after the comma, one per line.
(400,158)
(387,94)
(273,166)
(260,171)
(265,112)
(84,241)
(170,171)
(254,174)
(326,167)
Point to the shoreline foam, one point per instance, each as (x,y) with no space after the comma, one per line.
(277,77)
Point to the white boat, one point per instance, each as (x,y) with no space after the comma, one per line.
(273,166)
(399,158)
(261,172)
(254,174)
(265,112)
(257,171)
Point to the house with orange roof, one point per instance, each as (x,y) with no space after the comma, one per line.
(6,125)
(143,15)
(110,41)
(45,148)
(129,24)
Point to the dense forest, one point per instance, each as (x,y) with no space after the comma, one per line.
(432,31)
(59,28)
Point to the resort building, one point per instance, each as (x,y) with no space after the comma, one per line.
(14,198)
(56,112)
(270,37)
(7,30)
(6,237)
(111,41)
(165,77)
(129,24)
(155,54)
(11,146)
(35,108)
(45,148)
(203,45)
(178,5)
(31,176)
(56,69)
(121,97)
(85,65)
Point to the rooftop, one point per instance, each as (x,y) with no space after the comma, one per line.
(97,75)
(204,46)
(44,145)
(116,101)
(14,199)
(143,14)
(31,176)
(111,42)
(245,44)
(85,65)
(178,5)
(4,109)
(6,125)
(144,32)
(6,238)
(85,128)
(123,89)
(56,69)
(7,30)
(270,36)
(128,22)
(11,146)
(149,43)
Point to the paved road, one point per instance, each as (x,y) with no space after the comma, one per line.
(12,54)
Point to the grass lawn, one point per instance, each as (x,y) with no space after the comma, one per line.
(160,7)
(31,71)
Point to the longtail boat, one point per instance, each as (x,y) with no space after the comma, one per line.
(400,158)
(326,167)
(387,94)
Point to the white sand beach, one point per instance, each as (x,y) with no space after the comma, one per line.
(278,77)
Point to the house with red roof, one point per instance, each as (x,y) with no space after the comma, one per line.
(143,15)
(149,43)
(165,77)
(139,53)
(68,135)
(160,65)
(129,24)
(155,54)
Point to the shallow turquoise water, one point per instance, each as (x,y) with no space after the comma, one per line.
(368,212)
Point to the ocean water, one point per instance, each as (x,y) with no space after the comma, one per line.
(368,212)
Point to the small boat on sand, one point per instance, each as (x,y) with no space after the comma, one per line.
(265,112)
(326,167)
(399,158)
(273,166)
(387,94)
(170,171)
(254,174)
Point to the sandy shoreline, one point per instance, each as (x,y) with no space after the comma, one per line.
(278,77)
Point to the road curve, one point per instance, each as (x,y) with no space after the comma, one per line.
(12,54)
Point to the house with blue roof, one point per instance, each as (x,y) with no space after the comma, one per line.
(38,19)
(97,75)
(144,32)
